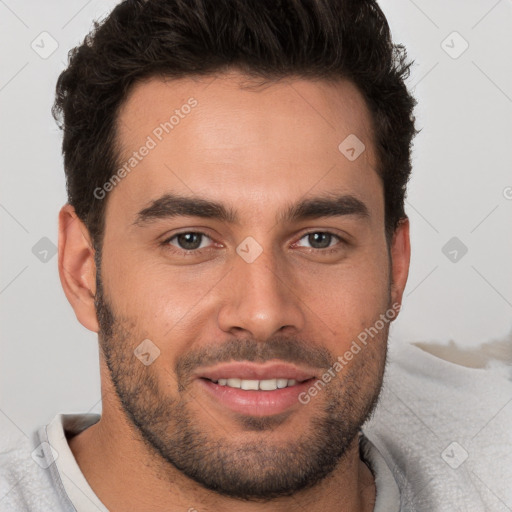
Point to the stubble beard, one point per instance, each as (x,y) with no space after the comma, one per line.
(256,469)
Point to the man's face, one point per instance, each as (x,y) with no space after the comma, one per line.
(253,289)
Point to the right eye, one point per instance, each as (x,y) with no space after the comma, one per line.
(188,241)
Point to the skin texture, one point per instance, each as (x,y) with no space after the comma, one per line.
(162,443)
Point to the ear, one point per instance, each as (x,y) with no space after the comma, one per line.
(77,269)
(400,260)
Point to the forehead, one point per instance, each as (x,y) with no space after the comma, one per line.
(216,136)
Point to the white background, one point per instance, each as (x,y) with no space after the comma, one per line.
(461,177)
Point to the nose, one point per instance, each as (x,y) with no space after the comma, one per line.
(260,299)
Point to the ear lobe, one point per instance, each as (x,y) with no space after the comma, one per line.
(77,269)
(400,260)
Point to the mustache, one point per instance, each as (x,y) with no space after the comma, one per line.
(291,350)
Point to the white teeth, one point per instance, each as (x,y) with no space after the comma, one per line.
(268,385)
(234,383)
(282,383)
(249,384)
(263,385)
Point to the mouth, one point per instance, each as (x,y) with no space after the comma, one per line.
(255,385)
(255,389)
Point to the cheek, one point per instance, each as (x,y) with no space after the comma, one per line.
(348,299)
(161,301)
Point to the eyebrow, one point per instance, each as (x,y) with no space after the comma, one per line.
(331,205)
(173,205)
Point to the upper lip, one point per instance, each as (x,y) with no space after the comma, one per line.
(255,371)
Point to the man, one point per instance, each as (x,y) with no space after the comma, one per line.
(236,236)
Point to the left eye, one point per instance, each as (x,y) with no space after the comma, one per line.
(320,240)
(189,241)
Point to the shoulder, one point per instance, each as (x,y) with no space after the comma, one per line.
(16,469)
(25,485)
(15,449)
(441,427)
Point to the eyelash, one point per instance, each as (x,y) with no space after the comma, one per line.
(190,252)
(185,252)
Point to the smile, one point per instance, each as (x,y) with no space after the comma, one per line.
(254,389)
(255,385)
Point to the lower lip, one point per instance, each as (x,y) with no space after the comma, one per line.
(255,403)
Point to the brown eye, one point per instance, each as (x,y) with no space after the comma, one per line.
(189,241)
